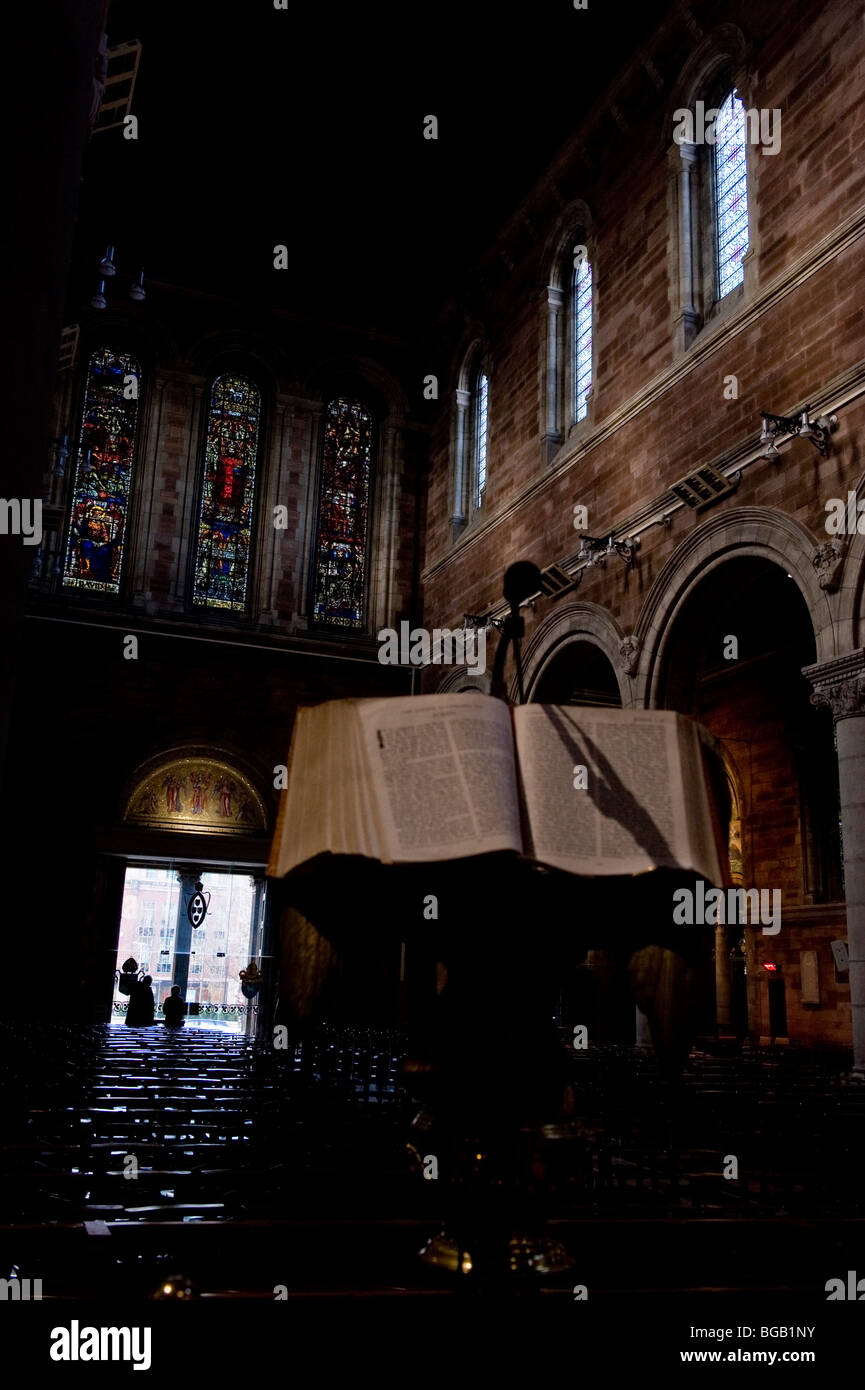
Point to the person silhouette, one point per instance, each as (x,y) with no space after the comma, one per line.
(142,1005)
(174,1008)
(128,976)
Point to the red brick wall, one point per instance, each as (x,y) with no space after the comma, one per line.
(793,350)
(810,63)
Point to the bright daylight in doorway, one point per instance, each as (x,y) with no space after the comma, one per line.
(152,925)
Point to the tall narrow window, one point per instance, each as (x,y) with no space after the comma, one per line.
(103,474)
(731,194)
(582,346)
(343,516)
(481,434)
(225,516)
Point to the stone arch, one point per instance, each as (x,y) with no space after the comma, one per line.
(225,350)
(358,372)
(725,47)
(742,531)
(214,793)
(141,333)
(575,217)
(472,353)
(577,622)
(459,680)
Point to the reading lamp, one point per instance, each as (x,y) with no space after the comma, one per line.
(522,580)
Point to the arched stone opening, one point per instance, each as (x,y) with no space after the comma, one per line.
(732,658)
(577,651)
(578,672)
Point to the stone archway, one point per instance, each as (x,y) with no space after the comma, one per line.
(742,531)
(738,635)
(591,626)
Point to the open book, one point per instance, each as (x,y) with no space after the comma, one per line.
(438,777)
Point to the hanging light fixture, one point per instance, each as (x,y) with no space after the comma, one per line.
(817,432)
(107,270)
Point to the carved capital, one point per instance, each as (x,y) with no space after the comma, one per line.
(554,298)
(629,655)
(828,560)
(844,698)
(839,684)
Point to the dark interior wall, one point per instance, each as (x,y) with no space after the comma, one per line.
(85,718)
(43,167)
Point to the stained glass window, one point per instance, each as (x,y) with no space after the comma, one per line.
(582,317)
(343,515)
(481,432)
(103,474)
(225,518)
(731,193)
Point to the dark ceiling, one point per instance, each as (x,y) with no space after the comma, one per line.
(304,127)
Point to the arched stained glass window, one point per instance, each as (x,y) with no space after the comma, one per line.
(731,193)
(103,474)
(343,515)
(225,517)
(582,345)
(482,426)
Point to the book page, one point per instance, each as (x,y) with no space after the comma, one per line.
(328,805)
(697,746)
(633,813)
(444,771)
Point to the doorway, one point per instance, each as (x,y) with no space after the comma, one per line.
(205,960)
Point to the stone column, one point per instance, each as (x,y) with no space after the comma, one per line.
(684,158)
(382,602)
(722,977)
(144,525)
(460,495)
(185,509)
(256,953)
(840,685)
(183,935)
(273,539)
(304,455)
(553,373)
